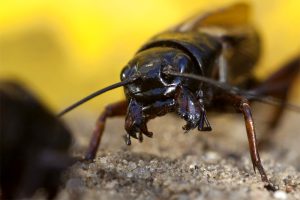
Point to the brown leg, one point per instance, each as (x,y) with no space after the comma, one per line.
(242,105)
(245,109)
(111,110)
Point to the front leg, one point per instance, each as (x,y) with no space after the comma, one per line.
(112,110)
(138,116)
(191,110)
(135,122)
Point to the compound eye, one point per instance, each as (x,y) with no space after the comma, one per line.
(181,62)
(127,72)
(168,79)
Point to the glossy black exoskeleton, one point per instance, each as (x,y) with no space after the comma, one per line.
(219,48)
(155,93)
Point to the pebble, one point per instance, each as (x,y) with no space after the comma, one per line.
(142,173)
(211,156)
(280,195)
(129,175)
(141,163)
(131,166)
(193,167)
(103,160)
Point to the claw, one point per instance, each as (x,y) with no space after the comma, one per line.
(140,137)
(135,123)
(270,187)
(127,139)
(254,168)
(145,131)
(189,126)
(148,134)
(133,134)
(203,122)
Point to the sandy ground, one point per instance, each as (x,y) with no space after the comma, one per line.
(174,165)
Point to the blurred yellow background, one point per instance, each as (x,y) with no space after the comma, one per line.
(64,50)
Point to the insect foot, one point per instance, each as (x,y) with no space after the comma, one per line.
(135,122)
(191,110)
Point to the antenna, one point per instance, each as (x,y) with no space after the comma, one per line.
(234,90)
(97,93)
